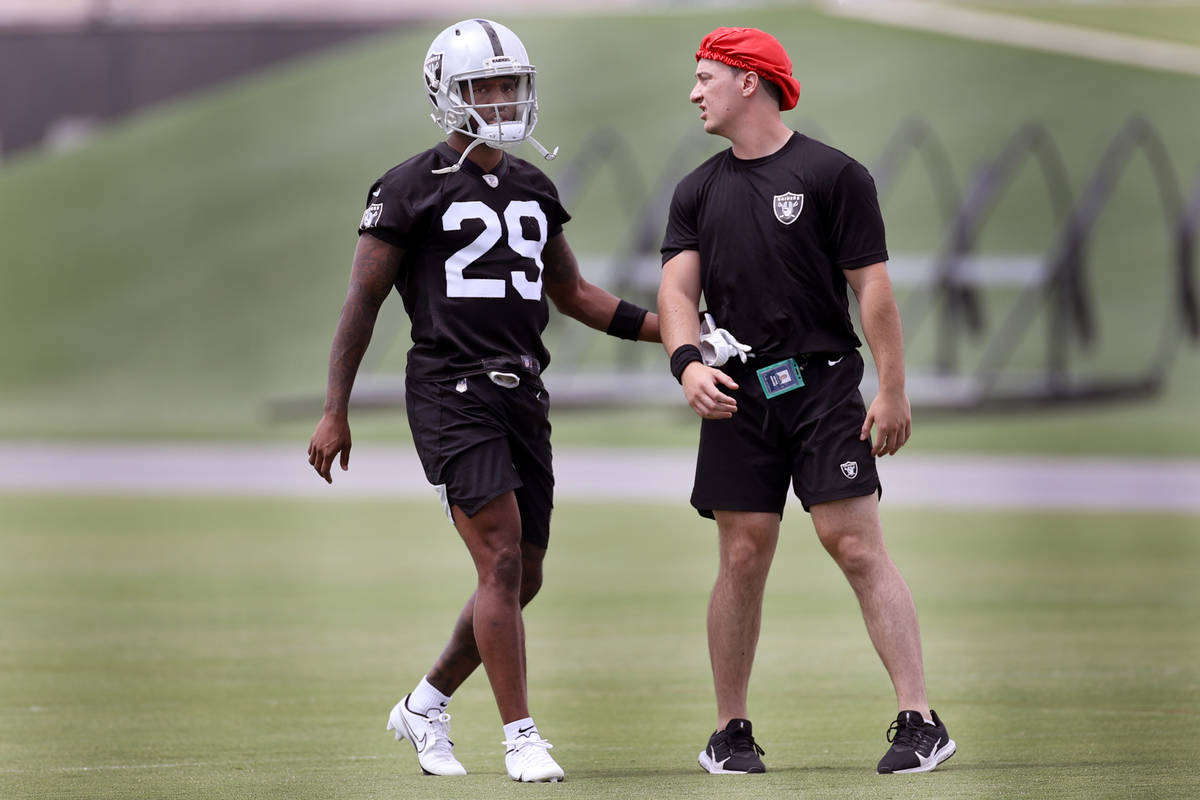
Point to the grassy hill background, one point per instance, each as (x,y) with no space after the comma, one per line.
(1179,24)
(189,264)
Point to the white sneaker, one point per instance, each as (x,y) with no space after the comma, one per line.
(430,735)
(528,760)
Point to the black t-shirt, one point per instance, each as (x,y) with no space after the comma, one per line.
(471,277)
(774,235)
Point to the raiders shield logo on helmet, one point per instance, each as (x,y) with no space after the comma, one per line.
(850,469)
(788,207)
(433,72)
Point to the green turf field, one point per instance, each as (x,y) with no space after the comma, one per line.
(154,648)
(187,266)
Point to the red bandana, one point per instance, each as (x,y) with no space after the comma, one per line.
(755,51)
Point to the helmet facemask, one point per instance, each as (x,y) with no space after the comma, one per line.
(502,124)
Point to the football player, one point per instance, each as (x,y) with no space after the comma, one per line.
(471,238)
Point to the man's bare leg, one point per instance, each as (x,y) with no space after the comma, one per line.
(747,547)
(460,657)
(493,538)
(851,532)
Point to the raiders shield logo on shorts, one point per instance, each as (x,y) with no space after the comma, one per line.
(788,207)
(850,469)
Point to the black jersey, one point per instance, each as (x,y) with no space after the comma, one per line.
(471,277)
(774,235)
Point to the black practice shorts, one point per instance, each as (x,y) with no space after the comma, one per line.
(808,436)
(485,441)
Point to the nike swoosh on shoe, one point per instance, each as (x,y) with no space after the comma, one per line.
(932,757)
(412,736)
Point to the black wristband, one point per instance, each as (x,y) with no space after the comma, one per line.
(684,354)
(627,321)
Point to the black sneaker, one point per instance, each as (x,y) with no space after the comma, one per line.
(733,751)
(917,746)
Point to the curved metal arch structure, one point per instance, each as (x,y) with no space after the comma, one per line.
(604,147)
(1065,284)
(952,292)
(914,138)
(1186,247)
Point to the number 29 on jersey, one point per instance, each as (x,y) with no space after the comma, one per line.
(458,285)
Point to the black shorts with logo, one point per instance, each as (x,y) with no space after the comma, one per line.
(807,436)
(484,441)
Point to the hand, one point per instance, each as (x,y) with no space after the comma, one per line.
(701,387)
(331,437)
(891,412)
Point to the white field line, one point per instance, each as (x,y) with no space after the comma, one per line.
(998,28)
(644,475)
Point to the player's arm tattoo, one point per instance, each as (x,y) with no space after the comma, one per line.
(586,302)
(376,267)
(561,269)
(571,294)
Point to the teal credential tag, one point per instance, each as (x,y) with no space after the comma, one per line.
(780,378)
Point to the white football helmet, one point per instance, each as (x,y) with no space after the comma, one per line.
(469,51)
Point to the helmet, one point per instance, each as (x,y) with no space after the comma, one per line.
(468,51)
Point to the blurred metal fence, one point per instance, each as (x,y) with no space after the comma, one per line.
(943,289)
(947,285)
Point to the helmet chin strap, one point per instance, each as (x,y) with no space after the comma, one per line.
(546,154)
(549,156)
(457,166)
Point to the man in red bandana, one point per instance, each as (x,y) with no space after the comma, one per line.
(771,231)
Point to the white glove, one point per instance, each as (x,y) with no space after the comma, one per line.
(718,345)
